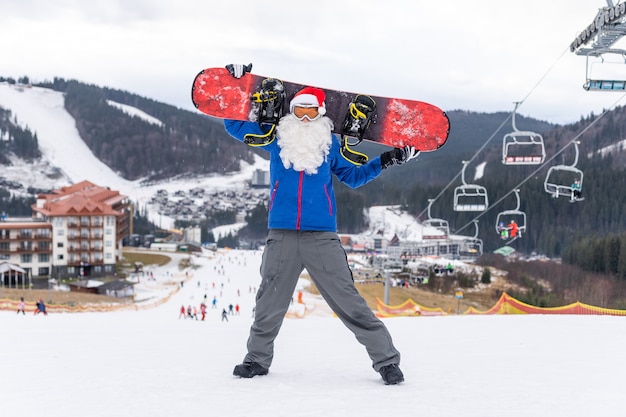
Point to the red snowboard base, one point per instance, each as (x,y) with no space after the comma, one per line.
(397,122)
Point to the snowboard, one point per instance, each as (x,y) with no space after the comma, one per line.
(394,122)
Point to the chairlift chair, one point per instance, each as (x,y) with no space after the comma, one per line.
(471,246)
(438,224)
(470,197)
(596,41)
(556,183)
(559,179)
(522,148)
(516,214)
(601,80)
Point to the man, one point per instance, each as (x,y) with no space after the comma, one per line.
(302,231)
(513,229)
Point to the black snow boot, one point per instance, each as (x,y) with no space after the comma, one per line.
(391,374)
(249,369)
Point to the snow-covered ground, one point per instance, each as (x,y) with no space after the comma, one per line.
(152,363)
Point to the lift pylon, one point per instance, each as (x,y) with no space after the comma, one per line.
(597,41)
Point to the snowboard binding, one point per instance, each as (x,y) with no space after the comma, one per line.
(268,107)
(361,112)
(269,101)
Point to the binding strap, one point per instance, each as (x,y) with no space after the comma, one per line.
(253,139)
(357,158)
(355,112)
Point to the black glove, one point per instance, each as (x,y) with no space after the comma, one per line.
(238,70)
(398,156)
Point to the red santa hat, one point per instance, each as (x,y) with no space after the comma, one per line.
(309,97)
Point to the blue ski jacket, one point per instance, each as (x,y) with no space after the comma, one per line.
(299,201)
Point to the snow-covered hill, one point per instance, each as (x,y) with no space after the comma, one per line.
(67,159)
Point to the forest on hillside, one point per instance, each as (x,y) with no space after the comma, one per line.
(15,139)
(189,144)
(185,144)
(552,223)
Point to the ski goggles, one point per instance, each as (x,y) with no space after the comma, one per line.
(310,113)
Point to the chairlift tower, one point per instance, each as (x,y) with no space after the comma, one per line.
(597,41)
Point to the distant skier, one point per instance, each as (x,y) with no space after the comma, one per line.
(203,311)
(21,307)
(224,314)
(41,307)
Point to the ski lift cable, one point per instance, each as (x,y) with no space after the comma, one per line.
(543,77)
(539,168)
(453,180)
(517,105)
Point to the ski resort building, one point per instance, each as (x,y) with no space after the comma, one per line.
(75,231)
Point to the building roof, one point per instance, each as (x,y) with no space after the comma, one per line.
(90,283)
(6,266)
(83,198)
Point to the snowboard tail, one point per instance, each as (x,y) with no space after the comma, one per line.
(387,121)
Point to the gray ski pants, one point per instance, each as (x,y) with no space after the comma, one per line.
(287,253)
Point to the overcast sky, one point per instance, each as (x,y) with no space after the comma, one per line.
(480,55)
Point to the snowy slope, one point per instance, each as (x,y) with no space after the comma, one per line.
(151,363)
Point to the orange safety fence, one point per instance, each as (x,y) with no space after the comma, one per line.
(505,305)
(407,309)
(509,305)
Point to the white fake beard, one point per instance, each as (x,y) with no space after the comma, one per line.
(304,145)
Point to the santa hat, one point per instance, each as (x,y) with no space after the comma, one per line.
(309,97)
